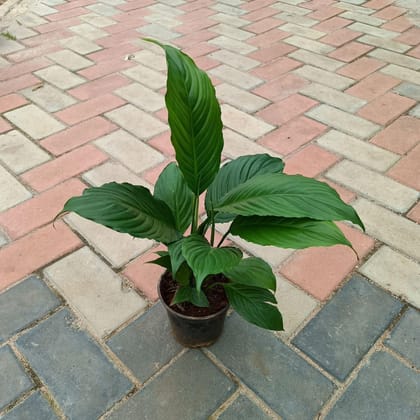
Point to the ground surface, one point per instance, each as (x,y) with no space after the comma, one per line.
(331,86)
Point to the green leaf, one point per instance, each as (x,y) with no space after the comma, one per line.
(164,261)
(194,118)
(184,274)
(287,196)
(254,304)
(190,294)
(161,253)
(252,271)
(172,189)
(205,260)
(126,208)
(288,232)
(235,173)
(175,252)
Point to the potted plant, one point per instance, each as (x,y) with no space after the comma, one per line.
(251,194)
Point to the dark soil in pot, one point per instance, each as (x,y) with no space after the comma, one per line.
(193,326)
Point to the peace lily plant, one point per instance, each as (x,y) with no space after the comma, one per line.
(250,195)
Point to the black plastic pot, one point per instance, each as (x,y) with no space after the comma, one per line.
(195,331)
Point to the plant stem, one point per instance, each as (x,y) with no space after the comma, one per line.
(223,238)
(194,224)
(212,232)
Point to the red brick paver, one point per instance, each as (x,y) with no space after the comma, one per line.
(30,253)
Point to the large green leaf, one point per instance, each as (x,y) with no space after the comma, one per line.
(126,208)
(288,232)
(287,196)
(194,118)
(254,304)
(235,173)
(252,271)
(204,259)
(172,189)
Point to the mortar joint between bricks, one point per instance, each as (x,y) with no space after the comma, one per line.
(401,358)
(127,322)
(138,385)
(17,401)
(125,398)
(33,324)
(226,404)
(27,367)
(241,386)
(346,279)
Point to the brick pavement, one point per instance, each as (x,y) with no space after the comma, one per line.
(331,86)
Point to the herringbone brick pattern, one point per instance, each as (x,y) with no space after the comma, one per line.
(331,86)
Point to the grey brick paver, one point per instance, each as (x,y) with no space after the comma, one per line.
(345,329)
(385,389)
(292,387)
(142,350)
(13,379)
(405,337)
(34,300)
(34,407)
(75,369)
(191,388)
